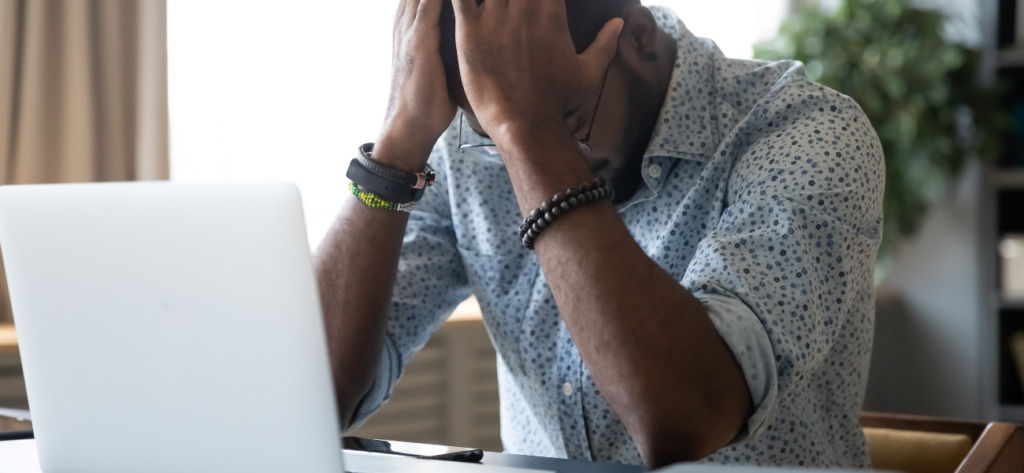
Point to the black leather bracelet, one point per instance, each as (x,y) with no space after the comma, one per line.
(413,179)
(559,205)
(390,184)
(389,190)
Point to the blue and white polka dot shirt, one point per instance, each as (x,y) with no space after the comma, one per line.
(762,195)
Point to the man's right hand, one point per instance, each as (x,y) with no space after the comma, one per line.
(419,109)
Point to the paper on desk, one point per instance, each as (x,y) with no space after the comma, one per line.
(19,456)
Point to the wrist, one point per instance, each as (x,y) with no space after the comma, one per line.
(402,153)
(530,131)
(542,160)
(545,145)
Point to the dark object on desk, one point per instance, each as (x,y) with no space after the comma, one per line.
(17,435)
(416,450)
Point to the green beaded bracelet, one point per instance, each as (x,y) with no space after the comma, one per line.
(374,201)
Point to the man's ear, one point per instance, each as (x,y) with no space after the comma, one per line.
(638,42)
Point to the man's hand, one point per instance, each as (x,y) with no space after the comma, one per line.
(419,109)
(519,66)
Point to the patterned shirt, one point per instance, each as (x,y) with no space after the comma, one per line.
(761,194)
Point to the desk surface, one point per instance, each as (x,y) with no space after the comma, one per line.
(557,465)
(19,456)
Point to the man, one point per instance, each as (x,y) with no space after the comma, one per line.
(720,308)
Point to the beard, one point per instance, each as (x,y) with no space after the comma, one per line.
(644,102)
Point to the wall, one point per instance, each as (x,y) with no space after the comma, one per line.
(931,321)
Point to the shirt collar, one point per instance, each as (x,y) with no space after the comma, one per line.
(686,124)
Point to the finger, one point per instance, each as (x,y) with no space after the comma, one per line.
(411,11)
(600,53)
(400,11)
(429,11)
(465,10)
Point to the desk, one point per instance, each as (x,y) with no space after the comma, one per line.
(18,456)
(557,465)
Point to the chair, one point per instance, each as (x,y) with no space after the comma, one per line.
(916,444)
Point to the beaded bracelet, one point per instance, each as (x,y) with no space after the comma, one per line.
(559,205)
(374,201)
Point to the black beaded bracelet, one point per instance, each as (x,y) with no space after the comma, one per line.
(559,205)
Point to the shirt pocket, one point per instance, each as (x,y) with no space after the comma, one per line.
(503,285)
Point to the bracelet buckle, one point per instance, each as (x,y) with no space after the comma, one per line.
(425,179)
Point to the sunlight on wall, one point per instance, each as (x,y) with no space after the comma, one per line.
(269,91)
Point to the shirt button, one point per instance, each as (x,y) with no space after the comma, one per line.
(567,389)
(654,171)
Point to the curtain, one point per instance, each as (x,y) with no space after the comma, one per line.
(83,93)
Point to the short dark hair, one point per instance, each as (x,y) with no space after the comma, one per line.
(586,18)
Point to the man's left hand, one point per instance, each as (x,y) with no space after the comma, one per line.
(519,66)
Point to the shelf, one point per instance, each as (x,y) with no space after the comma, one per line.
(1004,178)
(1011,412)
(1011,58)
(1011,303)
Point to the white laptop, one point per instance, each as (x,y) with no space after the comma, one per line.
(172,328)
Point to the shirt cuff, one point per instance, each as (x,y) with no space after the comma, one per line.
(387,374)
(749,342)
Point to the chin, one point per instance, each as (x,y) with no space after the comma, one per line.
(600,167)
(608,176)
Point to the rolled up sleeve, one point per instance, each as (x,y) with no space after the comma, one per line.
(746,337)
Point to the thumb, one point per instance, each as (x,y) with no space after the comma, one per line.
(597,57)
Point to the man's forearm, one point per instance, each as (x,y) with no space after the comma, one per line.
(649,344)
(356,266)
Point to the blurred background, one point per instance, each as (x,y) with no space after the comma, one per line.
(248,90)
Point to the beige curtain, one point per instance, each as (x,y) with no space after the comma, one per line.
(83,93)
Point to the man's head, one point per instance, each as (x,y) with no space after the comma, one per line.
(633,91)
(586,18)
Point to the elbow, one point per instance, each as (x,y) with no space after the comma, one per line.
(346,413)
(349,398)
(689,432)
(661,447)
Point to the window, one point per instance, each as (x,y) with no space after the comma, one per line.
(269,91)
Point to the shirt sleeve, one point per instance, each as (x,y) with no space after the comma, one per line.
(796,243)
(430,283)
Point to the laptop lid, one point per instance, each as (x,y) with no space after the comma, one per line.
(167,327)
